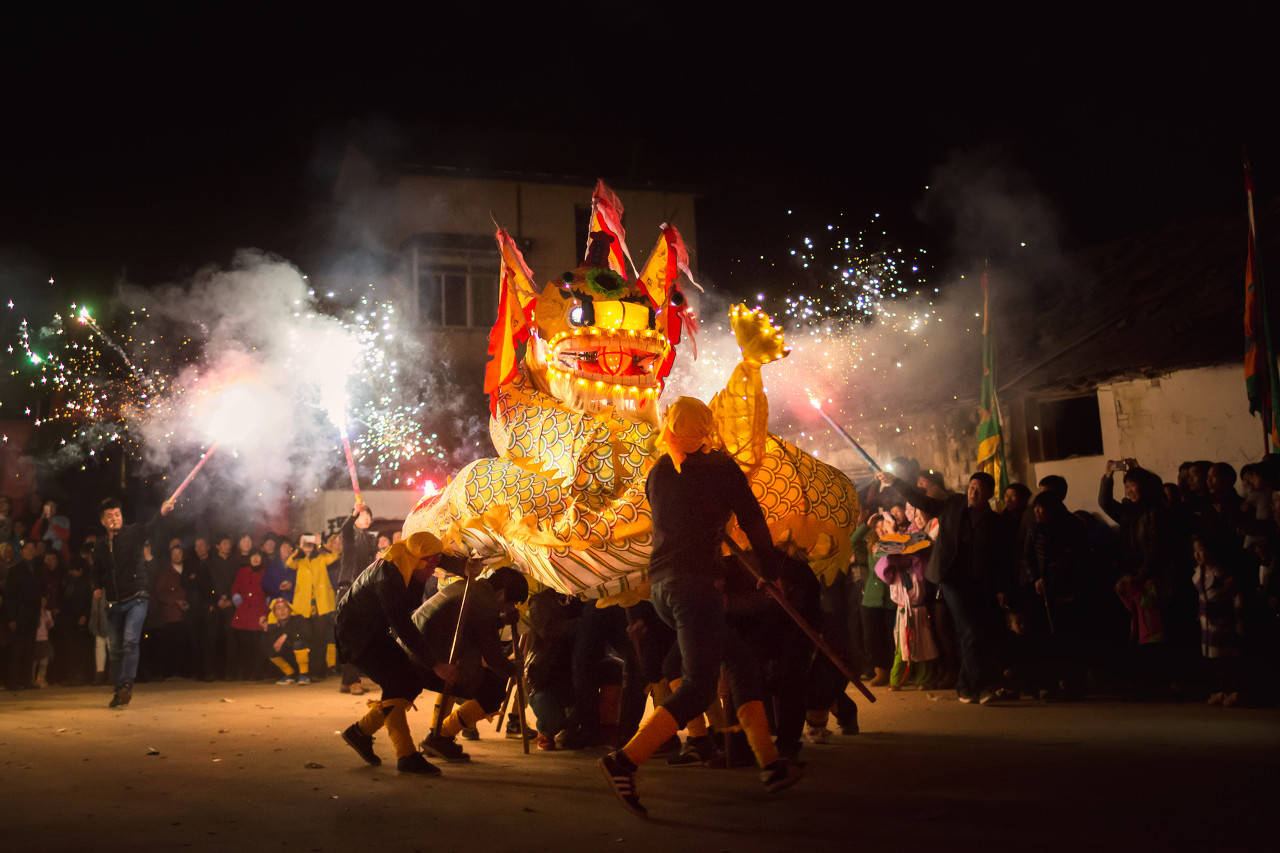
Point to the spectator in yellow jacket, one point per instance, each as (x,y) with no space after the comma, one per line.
(313,604)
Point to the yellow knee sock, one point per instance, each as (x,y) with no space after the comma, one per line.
(656,730)
(331,655)
(282,665)
(716,716)
(398,731)
(466,715)
(303,656)
(373,720)
(756,726)
(444,704)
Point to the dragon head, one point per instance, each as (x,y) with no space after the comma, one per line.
(596,337)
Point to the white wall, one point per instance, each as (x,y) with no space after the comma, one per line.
(384,503)
(1201,413)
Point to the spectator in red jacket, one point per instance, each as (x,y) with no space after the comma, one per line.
(173,635)
(250,618)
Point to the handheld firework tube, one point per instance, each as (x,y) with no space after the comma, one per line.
(204,457)
(575,424)
(351,466)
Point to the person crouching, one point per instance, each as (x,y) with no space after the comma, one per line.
(372,615)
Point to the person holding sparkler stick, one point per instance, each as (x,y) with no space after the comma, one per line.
(359,549)
(120,576)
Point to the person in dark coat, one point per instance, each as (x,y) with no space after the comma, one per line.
(23,589)
(75,640)
(969,563)
(121,577)
(375,632)
(359,549)
(481,663)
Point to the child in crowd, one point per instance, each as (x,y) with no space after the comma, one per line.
(280,641)
(1221,623)
(1146,632)
(43,648)
(915,646)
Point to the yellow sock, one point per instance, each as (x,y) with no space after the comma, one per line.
(398,731)
(303,656)
(373,720)
(656,730)
(465,716)
(282,665)
(756,726)
(331,655)
(444,704)
(716,716)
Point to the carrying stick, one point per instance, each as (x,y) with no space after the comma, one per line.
(823,646)
(453,647)
(520,687)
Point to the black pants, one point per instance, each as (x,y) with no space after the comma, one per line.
(486,687)
(389,665)
(245,655)
(877,635)
(841,627)
(22,647)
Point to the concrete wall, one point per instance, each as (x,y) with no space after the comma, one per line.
(1200,413)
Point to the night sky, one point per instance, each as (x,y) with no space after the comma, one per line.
(145,149)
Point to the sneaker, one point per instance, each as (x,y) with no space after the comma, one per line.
(849,726)
(619,772)
(287,680)
(696,752)
(1230,700)
(125,693)
(964,698)
(115,700)
(356,689)
(471,733)
(513,727)
(986,698)
(415,763)
(304,679)
(780,774)
(816,734)
(443,747)
(1216,699)
(344,688)
(362,744)
(546,743)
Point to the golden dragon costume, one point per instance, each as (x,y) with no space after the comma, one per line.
(574,423)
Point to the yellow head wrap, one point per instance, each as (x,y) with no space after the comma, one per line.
(687,429)
(408,553)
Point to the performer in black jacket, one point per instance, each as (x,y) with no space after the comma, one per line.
(693,491)
(121,575)
(370,618)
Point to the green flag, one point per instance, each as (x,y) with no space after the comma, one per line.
(990,439)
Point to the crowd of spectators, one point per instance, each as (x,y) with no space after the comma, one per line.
(1001,598)
(231,607)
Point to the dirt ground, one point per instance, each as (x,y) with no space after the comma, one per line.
(260,767)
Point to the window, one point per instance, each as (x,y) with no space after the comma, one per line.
(456,298)
(1062,428)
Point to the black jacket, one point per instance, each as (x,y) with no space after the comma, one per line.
(970,548)
(380,601)
(478,638)
(22,590)
(691,508)
(359,549)
(117,562)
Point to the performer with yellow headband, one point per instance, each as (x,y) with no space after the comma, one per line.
(375,613)
(693,490)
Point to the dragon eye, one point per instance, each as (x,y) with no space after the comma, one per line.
(576,315)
